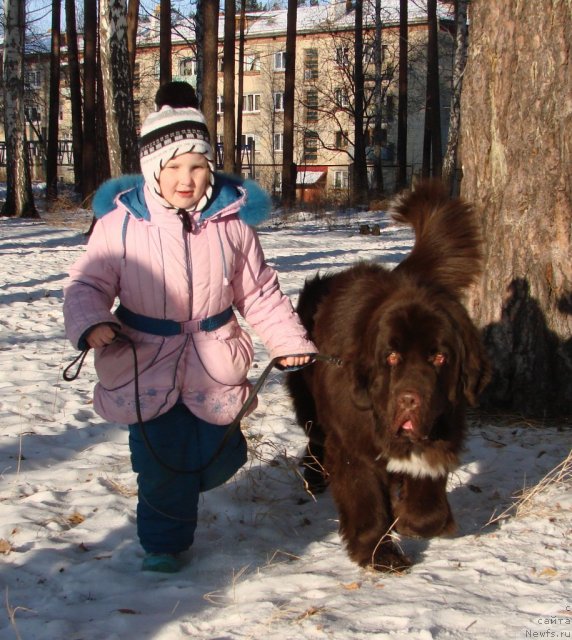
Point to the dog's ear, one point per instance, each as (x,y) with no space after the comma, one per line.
(475,371)
(359,374)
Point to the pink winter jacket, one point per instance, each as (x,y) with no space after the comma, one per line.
(138,252)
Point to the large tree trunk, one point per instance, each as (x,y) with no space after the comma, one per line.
(54,108)
(19,198)
(117,88)
(75,93)
(516,157)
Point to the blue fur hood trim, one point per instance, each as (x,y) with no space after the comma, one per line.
(226,190)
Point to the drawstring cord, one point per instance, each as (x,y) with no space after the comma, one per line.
(234,425)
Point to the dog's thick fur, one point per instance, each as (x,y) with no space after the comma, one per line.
(386,426)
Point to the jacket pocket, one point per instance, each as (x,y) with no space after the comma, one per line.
(115,363)
(225,354)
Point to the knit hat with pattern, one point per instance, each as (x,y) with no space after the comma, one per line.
(171,132)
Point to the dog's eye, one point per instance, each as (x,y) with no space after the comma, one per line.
(393,358)
(438,359)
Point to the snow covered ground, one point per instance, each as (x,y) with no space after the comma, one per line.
(267,562)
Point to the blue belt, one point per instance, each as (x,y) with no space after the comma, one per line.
(158,327)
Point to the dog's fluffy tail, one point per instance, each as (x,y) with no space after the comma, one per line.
(448,244)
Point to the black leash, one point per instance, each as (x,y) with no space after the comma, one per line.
(231,429)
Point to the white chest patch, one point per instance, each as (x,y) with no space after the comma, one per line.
(417,466)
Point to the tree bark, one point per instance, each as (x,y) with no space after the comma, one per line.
(75,93)
(288,166)
(403,95)
(359,173)
(516,158)
(210,65)
(450,160)
(89,155)
(54,107)
(165,48)
(117,88)
(132,25)
(432,151)
(229,68)
(19,197)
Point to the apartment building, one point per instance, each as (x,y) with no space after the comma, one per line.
(324,89)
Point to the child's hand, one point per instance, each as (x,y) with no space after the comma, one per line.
(294,361)
(100,335)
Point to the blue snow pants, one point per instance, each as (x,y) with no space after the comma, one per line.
(168,501)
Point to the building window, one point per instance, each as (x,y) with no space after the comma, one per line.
(342,56)
(311,106)
(389,108)
(341,139)
(280,61)
(310,64)
(188,67)
(341,180)
(278,99)
(277,181)
(248,140)
(32,114)
(251,103)
(252,62)
(310,146)
(278,142)
(342,99)
(33,79)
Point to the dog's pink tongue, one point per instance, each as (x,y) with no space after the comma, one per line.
(407,425)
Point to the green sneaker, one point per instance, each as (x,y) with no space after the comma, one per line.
(161,562)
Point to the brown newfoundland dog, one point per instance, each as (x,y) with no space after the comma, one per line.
(386,424)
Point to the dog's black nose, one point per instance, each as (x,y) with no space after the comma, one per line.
(409,400)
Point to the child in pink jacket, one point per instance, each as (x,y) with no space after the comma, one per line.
(177,248)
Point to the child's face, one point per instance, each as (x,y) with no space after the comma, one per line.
(184,180)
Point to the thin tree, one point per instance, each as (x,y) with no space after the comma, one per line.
(19,197)
(74,83)
(240,92)
(165,46)
(432,143)
(288,166)
(516,157)
(228,91)
(359,172)
(89,154)
(132,25)
(378,101)
(403,94)
(450,160)
(54,106)
(207,42)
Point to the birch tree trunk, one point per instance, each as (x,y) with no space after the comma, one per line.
(19,198)
(450,159)
(117,88)
(516,157)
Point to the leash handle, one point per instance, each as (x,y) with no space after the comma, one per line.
(79,360)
